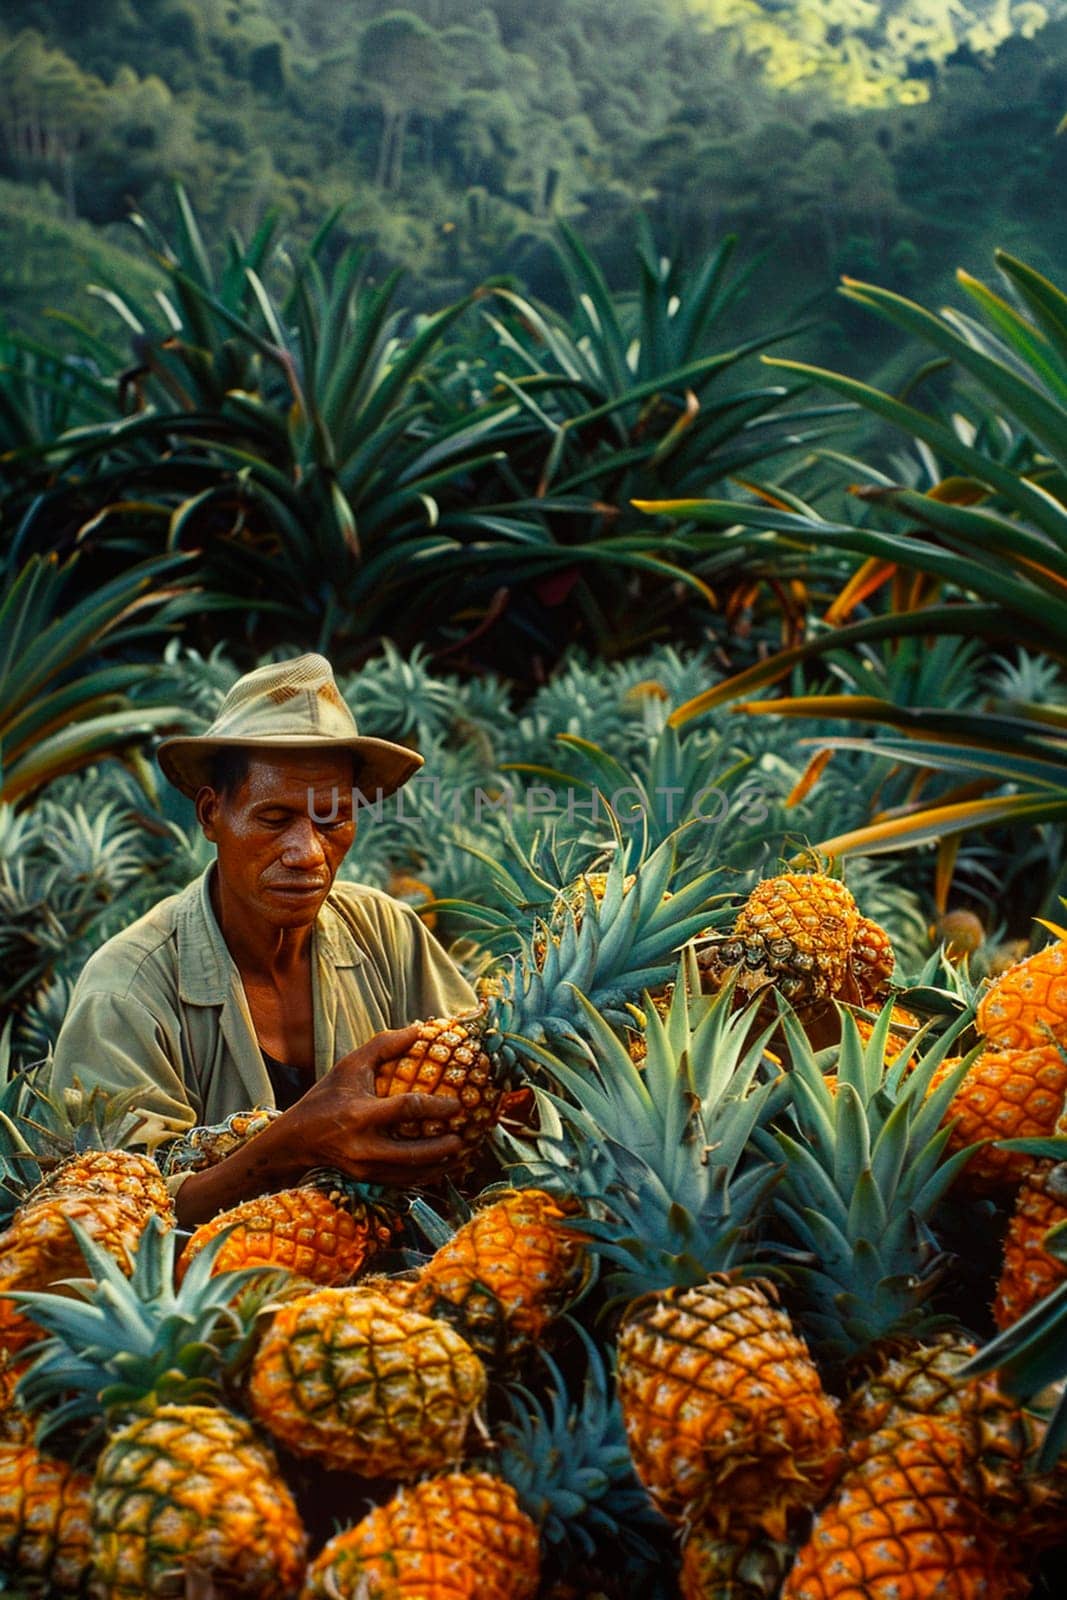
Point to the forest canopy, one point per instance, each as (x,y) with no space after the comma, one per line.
(885,138)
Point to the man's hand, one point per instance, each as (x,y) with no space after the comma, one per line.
(340,1122)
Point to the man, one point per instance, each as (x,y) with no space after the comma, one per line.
(265,982)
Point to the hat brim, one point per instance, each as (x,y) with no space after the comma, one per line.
(381,766)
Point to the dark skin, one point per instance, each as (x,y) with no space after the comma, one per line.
(276,864)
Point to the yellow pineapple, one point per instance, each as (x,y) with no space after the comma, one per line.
(353,1379)
(458,1537)
(725,1411)
(192,1487)
(715,1569)
(44,1518)
(1000,1439)
(1027,1006)
(325,1230)
(1017,1088)
(448,1058)
(554,1507)
(900,1527)
(506,1273)
(1010,1092)
(1028,1270)
(802,934)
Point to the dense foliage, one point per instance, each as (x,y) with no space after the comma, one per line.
(452,135)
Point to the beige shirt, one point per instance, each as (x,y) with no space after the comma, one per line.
(160,1008)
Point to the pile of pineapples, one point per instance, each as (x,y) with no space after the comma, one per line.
(708,1332)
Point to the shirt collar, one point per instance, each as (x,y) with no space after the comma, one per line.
(206,969)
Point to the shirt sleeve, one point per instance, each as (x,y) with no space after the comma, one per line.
(115,1041)
(425,980)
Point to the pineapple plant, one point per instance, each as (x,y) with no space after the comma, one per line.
(353,1379)
(866,1169)
(725,1412)
(181,1482)
(326,1230)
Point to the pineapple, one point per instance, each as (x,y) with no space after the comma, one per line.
(192,1487)
(726,1414)
(44,1518)
(1002,1441)
(611,956)
(350,1378)
(802,933)
(181,1483)
(506,1273)
(898,1526)
(714,1569)
(1018,1087)
(1009,1093)
(460,1537)
(1029,1272)
(447,1058)
(326,1230)
(65,1157)
(1027,1005)
(205,1146)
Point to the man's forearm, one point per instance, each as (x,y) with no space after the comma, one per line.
(258,1167)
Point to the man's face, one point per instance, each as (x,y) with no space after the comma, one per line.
(276,858)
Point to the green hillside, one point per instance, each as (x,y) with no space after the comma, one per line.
(48,261)
(895,145)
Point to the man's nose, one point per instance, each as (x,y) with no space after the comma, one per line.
(303,847)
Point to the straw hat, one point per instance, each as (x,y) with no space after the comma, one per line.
(291,705)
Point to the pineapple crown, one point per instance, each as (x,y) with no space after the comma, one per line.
(864,1172)
(127,1345)
(666,1148)
(570,1465)
(601,956)
(37,1131)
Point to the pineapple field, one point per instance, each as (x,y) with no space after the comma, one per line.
(739,687)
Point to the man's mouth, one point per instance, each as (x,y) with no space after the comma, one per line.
(299,888)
